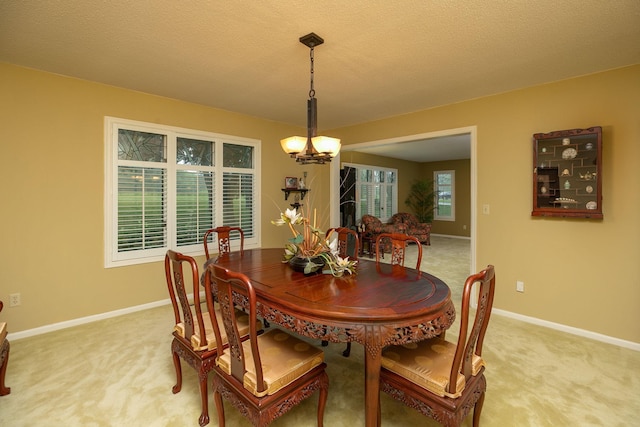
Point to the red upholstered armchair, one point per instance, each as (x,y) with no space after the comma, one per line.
(421,231)
(373,227)
(402,222)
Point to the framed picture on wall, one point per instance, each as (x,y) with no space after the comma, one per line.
(291,183)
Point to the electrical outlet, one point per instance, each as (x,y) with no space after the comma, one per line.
(14,300)
(520,286)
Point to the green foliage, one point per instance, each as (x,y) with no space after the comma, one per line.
(421,200)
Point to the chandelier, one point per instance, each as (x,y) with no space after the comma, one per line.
(313,149)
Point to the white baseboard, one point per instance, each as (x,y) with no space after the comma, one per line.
(452,236)
(557,326)
(570,330)
(83,320)
(94,318)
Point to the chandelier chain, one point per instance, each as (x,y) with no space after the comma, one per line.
(312,91)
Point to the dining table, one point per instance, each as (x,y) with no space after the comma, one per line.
(380,305)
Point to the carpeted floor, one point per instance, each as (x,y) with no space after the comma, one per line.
(119,372)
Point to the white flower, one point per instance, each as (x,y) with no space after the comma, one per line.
(292,216)
(278,222)
(333,247)
(344,264)
(290,250)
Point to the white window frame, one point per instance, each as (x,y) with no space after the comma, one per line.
(394,186)
(113,258)
(438,189)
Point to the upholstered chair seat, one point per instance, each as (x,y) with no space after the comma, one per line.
(284,359)
(428,364)
(209,338)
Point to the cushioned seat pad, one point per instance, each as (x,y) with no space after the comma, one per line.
(284,359)
(428,364)
(243,329)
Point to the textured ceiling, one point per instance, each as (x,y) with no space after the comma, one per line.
(380,58)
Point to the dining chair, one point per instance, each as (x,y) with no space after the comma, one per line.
(193,337)
(444,380)
(398,247)
(268,374)
(4,356)
(224,240)
(344,234)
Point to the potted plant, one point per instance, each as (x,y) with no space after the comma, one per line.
(422,200)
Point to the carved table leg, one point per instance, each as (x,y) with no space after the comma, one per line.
(372,363)
(4,361)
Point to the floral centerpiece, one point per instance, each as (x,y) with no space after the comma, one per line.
(309,248)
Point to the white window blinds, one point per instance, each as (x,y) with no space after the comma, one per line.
(165,187)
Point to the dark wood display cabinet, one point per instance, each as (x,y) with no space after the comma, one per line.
(567,173)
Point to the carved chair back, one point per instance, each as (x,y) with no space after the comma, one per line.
(398,247)
(179,286)
(344,235)
(224,239)
(190,340)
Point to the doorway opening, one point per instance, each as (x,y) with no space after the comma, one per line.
(440,143)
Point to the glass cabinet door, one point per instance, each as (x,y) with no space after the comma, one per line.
(567,178)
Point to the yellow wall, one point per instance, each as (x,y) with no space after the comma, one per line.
(52,174)
(579,273)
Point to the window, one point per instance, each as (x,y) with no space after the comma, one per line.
(376,191)
(165,186)
(445,183)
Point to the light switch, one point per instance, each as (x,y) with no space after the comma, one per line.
(485,209)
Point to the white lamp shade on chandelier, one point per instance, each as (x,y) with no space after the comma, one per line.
(312,149)
(322,144)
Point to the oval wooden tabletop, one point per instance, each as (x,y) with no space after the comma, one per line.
(377,293)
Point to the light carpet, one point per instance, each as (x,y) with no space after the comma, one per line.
(119,372)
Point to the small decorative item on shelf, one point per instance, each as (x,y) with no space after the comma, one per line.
(309,250)
(301,182)
(291,183)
